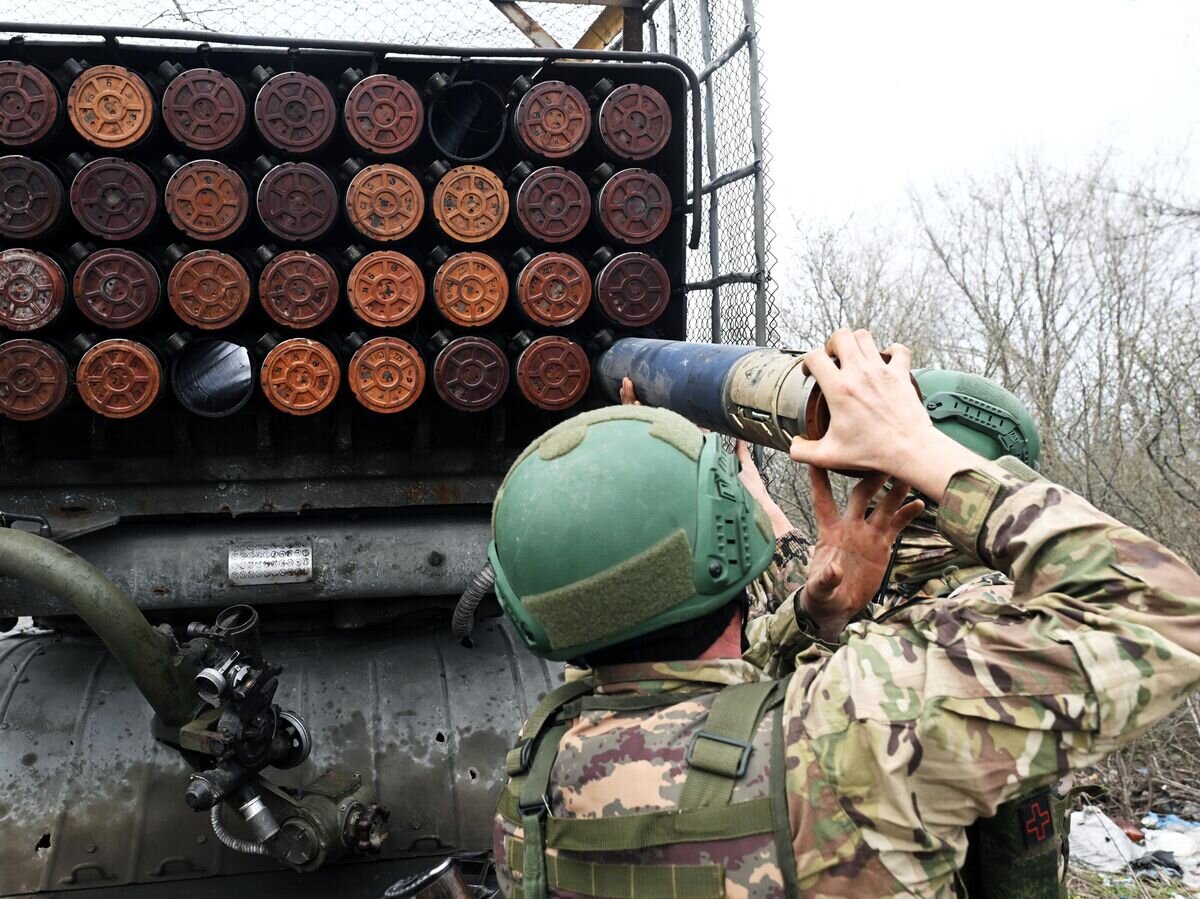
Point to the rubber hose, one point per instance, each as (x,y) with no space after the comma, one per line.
(237,844)
(146,654)
(481,585)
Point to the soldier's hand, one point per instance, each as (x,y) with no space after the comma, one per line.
(853,549)
(628,396)
(751,479)
(877,421)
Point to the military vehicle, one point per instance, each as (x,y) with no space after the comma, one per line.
(275,316)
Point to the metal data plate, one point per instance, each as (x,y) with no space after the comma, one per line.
(270,563)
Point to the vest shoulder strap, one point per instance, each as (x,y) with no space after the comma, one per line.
(717,758)
(719,754)
(520,756)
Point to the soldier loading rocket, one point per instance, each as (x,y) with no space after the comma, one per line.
(676,768)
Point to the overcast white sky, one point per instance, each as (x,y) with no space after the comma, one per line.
(869,97)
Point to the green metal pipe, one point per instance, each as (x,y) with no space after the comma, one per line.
(148,655)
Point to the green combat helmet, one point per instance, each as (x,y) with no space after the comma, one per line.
(617,523)
(979,414)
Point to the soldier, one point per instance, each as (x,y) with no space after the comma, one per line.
(674,768)
(1003,858)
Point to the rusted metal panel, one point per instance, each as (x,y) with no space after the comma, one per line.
(34,379)
(635,122)
(633,289)
(116,288)
(207,200)
(31,104)
(209,289)
(33,289)
(111,107)
(470,203)
(119,378)
(552,120)
(470,289)
(635,206)
(553,373)
(554,289)
(471,374)
(384,114)
(385,202)
(31,198)
(297,201)
(204,109)
(386,374)
(298,289)
(301,376)
(295,112)
(553,205)
(385,288)
(115,199)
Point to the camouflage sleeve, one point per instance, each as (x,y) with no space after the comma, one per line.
(784,576)
(925,721)
(776,627)
(1128,606)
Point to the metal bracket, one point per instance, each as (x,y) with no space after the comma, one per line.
(7,519)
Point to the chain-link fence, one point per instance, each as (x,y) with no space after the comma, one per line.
(730,297)
(728,277)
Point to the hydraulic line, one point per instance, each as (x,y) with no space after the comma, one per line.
(148,655)
(237,844)
(483,583)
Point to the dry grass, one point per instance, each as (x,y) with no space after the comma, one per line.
(1159,771)
(1082,884)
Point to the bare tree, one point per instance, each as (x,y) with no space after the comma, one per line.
(1077,291)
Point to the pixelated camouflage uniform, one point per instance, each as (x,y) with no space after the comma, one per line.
(911,728)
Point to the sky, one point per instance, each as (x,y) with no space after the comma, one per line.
(869,98)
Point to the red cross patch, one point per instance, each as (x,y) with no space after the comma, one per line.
(1036,822)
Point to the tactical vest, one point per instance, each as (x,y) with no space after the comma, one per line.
(691,851)
(688,852)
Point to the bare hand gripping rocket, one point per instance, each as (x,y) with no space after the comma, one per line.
(761,395)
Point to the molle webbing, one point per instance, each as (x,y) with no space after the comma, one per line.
(616,881)
(534,809)
(638,702)
(717,758)
(654,581)
(648,829)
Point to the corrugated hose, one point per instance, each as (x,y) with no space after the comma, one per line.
(237,844)
(481,585)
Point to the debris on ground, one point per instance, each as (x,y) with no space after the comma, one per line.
(1169,849)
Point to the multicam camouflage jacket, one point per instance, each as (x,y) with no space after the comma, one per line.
(909,729)
(1016,854)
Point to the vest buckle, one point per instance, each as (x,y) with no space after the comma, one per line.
(718,762)
(538,808)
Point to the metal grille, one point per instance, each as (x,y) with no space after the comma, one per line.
(448,22)
(730,294)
